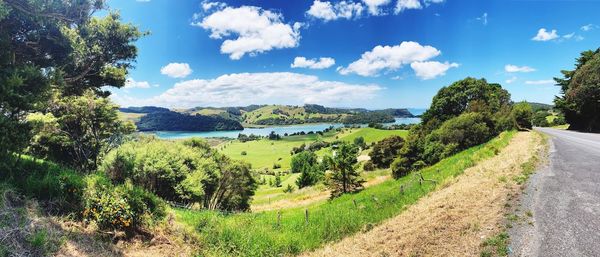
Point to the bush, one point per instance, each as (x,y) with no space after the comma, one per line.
(123,207)
(399,167)
(184,172)
(244,153)
(522,114)
(385,151)
(369,166)
(276,166)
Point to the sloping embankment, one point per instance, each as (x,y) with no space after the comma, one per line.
(454,220)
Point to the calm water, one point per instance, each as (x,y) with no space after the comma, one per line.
(264,131)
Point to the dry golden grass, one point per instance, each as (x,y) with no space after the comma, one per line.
(455,219)
(308,196)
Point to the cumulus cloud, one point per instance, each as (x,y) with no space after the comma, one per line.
(328,11)
(540,82)
(176,70)
(321,63)
(389,58)
(514,68)
(544,35)
(375,6)
(258,88)
(131,83)
(250,30)
(431,69)
(402,5)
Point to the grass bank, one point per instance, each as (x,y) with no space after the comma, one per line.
(260,234)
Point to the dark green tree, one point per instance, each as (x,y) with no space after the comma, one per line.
(384,151)
(78,130)
(60,45)
(344,177)
(309,168)
(580,93)
(522,114)
(539,119)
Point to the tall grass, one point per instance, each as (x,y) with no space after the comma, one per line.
(258,234)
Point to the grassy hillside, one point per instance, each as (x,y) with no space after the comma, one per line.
(259,234)
(264,153)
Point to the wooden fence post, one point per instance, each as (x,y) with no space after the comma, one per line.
(355,205)
(278,218)
(401,189)
(306,216)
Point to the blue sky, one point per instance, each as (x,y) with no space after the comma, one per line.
(353,53)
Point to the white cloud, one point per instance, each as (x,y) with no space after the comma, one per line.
(321,63)
(207,6)
(328,11)
(514,68)
(254,30)
(374,6)
(402,5)
(176,70)
(511,80)
(389,58)
(258,88)
(588,27)
(573,36)
(483,18)
(540,82)
(544,35)
(432,69)
(131,83)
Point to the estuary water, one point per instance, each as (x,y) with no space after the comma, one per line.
(265,130)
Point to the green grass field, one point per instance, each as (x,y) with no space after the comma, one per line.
(264,153)
(258,234)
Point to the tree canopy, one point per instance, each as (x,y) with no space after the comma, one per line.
(580,89)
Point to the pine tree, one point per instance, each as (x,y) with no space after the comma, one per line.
(344,177)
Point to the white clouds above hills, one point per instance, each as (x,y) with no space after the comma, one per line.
(257,88)
(249,30)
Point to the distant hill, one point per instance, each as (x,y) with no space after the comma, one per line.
(540,106)
(150,117)
(174,121)
(144,109)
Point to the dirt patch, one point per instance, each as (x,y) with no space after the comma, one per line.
(455,219)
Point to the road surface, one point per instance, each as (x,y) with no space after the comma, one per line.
(563,200)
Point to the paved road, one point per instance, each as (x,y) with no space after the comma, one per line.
(564,198)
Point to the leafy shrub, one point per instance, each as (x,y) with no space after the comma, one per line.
(369,166)
(184,172)
(539,119)
(522,113)
(123,207)
(244,153)
(400,167)
(276,166)
(385,151)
